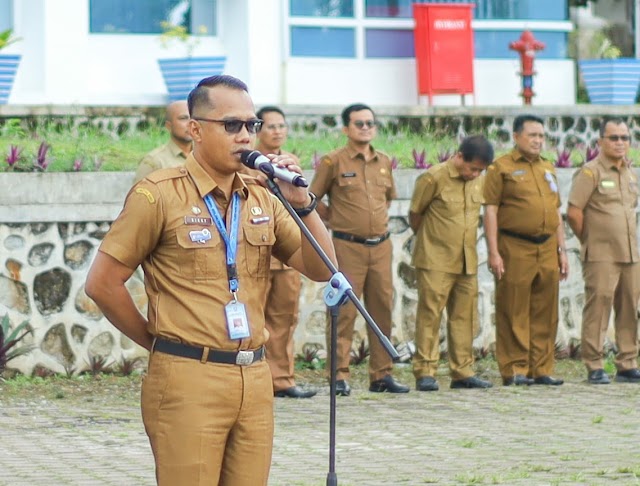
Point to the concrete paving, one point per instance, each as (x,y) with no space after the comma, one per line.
(572,435)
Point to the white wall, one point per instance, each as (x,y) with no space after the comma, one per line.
(64,64)
(393,82)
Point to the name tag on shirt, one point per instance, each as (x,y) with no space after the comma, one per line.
(607,184)
(348,174)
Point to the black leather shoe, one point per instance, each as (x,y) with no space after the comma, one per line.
(598,377)
(426,383)
(295,392)
(471,382)
(517,380)
(628,376)
(342,388)
(388,384)
(547,380)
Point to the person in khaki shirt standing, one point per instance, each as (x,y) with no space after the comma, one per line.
(205,234)
(283,291)
(359,183)
(527,256)
(602,214)
(444,215)
(175,151)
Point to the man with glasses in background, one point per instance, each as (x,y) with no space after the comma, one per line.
(283,290)
(175,152)
(602,214)
(359,184)
(204,234)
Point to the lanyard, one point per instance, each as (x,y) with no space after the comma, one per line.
(230,239)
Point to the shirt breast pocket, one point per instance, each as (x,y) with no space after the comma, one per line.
(200,260)
(609,191)
(349,183)
(258,242)
(520,184)
(476,200)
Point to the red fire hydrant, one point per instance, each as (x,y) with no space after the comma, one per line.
(527,46)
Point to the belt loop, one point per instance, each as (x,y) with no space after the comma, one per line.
(153,344)
(205,355)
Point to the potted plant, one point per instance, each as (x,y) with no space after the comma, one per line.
(609,78)
(8,65)
(182,74)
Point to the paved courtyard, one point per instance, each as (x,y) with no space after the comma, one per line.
(572,435)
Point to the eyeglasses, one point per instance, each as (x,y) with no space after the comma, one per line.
(361,124)
(615,138)
(234,125)
(276,126)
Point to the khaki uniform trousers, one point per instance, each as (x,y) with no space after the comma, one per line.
(281,319)
(208,423)
(527,307)
(607,285)
(459,294)
(368,270)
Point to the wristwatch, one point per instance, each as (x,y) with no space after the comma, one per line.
(302,212)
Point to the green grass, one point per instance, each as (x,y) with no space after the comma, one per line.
(121,150)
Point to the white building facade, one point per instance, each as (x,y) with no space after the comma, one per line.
(290,52)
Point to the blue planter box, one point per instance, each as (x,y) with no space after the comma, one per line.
(8,69)
(611,81)
(182,75)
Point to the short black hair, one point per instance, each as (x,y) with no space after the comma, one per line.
(269,109)
(518,123)
(199,96)
(616,120)
(476,147)
(346,113)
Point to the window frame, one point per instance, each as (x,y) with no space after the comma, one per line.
(360,24)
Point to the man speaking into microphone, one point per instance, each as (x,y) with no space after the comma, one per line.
(204,235)
(283,288)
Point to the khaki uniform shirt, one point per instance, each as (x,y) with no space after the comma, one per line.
(359,191)
(608,197)
(450,210)
(525,192)
(164,157)
(186,281)
(275,263)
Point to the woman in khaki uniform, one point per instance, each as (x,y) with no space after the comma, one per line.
(207,400)
(527,256)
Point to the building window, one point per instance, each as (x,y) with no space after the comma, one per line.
(145,16)
(390,43)
(484,9)
(322,42)
(322,8)
(6,15)
(370,29)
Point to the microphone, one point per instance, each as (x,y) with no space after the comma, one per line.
(255,160)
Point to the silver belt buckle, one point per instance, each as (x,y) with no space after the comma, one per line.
(244,358)
(372,241)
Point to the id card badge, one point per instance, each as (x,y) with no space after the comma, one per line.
(237,322)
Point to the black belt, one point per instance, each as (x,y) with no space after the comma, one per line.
(376,240)
(241,358)
(538,240)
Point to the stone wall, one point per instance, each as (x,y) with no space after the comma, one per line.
(566,126)
(51,226)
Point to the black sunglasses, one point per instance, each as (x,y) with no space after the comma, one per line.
(361,124)
(234,125)
(615,138)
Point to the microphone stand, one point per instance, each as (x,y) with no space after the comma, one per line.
(335,294)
